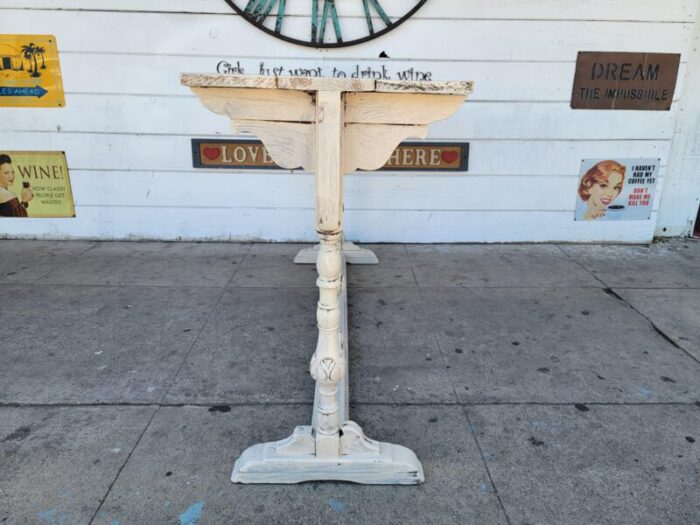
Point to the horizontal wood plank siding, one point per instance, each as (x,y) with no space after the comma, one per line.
(127,124)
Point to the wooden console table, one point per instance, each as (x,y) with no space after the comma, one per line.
(329,127)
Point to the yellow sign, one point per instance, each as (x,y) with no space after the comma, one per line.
(30,74)
(35,184)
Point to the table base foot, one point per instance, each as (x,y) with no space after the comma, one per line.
(362,460)
(352,252)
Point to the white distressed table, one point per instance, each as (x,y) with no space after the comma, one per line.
(329,127)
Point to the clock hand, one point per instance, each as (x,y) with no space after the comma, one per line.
(380,11)
(328,8)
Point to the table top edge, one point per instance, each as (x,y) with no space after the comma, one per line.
(210,80)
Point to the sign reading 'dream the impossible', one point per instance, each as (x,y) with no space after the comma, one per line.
(35,184)
(408,156)
(625,80)
(30,73)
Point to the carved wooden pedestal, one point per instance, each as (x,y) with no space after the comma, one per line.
(330,127)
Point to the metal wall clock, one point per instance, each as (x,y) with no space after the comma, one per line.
(326,23)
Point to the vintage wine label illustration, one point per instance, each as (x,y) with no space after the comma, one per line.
(35,184)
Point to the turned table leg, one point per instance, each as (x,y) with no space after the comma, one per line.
(328,366)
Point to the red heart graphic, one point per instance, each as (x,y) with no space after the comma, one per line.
(450,156)
(211,153)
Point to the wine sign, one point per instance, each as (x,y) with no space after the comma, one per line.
(35,184)
(408,156)
(625,80)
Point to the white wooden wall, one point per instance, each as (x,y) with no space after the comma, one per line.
(127,124)
(678,209)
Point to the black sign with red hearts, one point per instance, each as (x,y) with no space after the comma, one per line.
(408,156)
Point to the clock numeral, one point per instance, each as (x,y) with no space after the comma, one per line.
(368,4)
(318,31)
(259,10)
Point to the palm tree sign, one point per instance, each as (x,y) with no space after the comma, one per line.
(41,51)
(29,52)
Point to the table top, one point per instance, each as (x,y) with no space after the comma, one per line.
(324,84)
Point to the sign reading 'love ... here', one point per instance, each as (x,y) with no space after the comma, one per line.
(408,156)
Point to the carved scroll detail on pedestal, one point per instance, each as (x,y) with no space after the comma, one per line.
(300,443)
(354,441)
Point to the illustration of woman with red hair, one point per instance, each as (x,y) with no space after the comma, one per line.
(601,185)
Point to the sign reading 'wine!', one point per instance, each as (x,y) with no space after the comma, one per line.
(408,156)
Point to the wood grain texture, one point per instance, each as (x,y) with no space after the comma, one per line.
(400,108)
(328,154)
(205,80)
(266,104)
(433,88)
(368,146)
(325,84)
(286,142)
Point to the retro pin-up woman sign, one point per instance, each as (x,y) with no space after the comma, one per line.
(598,189)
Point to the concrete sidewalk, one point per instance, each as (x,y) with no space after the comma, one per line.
(536,383)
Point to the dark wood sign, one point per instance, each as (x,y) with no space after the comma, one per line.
(625,80)
(409,156)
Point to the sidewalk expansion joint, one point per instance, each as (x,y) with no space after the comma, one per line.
(612,293)
(121,468)
(473,434)
(654,326)
(205,324)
